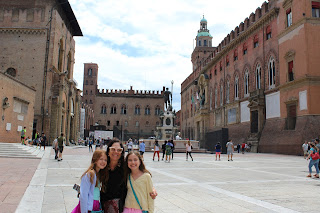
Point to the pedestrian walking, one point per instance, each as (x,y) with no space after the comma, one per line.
(172,148)
(138,199)
(243,147)
(61,141)
(238,147)
(305,149)
(142,148)
(230,149)
(90,145)
(90,184)
(129,145)
(55,148)
(313,162)
(163,147)
(189,150)
(156,149)
(169,146)
(23,135)
(43,140)
(218,150)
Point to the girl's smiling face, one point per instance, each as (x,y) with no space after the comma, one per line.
(102,162)
(133,162)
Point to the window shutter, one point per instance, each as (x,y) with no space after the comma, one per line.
(245,46)
(288,11)
(316,5)
(268,30)
(290,66)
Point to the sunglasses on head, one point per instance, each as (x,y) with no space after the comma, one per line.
(112,149)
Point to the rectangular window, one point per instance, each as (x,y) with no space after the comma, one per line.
(220,65)
(20,107)
(316,9)
(289,17)
(255,41)
(290,71)
(245,49)
(268,32)
(227,60)
(235,55)
(108,123)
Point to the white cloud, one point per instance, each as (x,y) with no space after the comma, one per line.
(148,43)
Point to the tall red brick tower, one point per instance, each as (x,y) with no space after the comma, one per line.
(90,83)
(203,47)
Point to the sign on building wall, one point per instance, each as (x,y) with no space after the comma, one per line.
(82,118)
(232,115)
(245,111)
(273,105)
(303,100)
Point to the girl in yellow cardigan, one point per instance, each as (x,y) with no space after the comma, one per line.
(139,186)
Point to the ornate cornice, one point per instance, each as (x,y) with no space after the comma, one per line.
(242,37)
(308,80)
(23,30)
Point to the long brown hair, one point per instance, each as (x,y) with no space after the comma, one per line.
(92,168)
(105,175)
(142,167)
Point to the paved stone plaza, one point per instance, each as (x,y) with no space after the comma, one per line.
(250,183)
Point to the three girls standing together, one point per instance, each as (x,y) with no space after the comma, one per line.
(116,184)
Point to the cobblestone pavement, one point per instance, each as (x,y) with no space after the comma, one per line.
(250,183)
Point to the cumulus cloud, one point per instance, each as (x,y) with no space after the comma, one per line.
(148,43)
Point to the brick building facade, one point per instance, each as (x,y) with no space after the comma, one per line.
(37,48)
(17,109)
(261,83)
(129,113)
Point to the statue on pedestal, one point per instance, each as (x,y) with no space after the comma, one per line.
(167,95)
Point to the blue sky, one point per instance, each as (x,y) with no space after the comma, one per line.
(148,43)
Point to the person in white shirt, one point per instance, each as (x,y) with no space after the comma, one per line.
(305,149)
(230,149)
(129,145)
(188,150)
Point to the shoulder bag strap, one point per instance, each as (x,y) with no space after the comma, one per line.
(134,193)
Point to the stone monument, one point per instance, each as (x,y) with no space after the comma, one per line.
(167,129)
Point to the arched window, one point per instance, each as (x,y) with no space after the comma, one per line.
(124,109)
(90,102)
(147,110)
(236,88)
(90,72)
(157,110)
(137,110)
(103,109)
(216,97)
(91,82)
(137,123)
(246,83)
(86,82)
(126,124)
(69,65)
(228,92)
(86,101)
(211,99)
(272,73)
(199,43)
(90,92)
(258,76)
(60,55)
(221,95)
(86,92)
(11,71)
(113,109)
(147,123)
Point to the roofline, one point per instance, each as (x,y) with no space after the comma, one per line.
(66,7)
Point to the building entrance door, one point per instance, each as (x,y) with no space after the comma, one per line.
(254,121)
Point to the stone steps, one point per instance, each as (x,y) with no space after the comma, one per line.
(16,150)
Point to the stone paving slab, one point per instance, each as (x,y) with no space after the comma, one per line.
(250,183)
